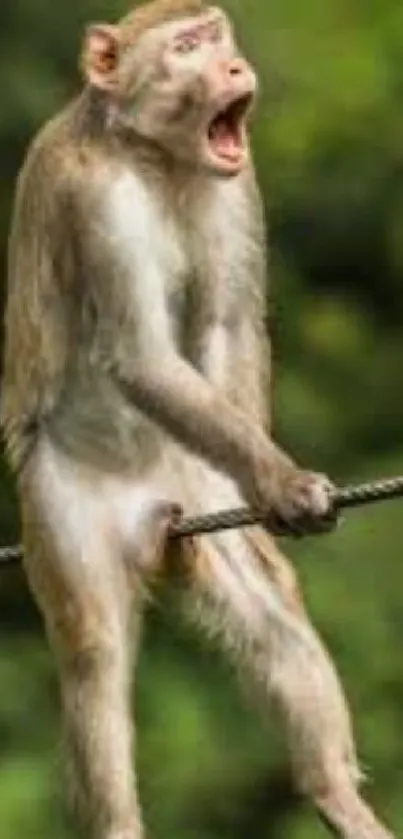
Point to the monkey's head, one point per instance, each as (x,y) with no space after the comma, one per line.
(171,73)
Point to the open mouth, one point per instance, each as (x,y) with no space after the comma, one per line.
(227,130)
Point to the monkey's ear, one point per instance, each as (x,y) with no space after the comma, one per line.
(99,56)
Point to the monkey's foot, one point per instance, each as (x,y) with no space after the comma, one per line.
(349,817)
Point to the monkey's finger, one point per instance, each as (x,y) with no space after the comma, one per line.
(299,524)
(167,515)
(163,516)
(278,525)
(315,525)
(175,514)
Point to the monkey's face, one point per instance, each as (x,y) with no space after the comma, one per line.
(184,86)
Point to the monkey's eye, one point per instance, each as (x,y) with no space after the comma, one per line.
(187,44)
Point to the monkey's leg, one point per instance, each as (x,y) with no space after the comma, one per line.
(83,603)
(246,591)
(98,734)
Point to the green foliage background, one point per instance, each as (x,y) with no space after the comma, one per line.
(329,148)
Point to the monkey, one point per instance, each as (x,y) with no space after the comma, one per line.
(136,374)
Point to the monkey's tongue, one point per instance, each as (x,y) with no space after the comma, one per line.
(225,139)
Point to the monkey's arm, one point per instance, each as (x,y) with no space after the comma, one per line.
(180,400)
(134,338)
(39,322)
(249,343)
(250,354)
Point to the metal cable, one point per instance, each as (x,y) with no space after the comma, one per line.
(345,498)
(10,554)
(350,496)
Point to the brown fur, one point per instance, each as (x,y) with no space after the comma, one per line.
(135,376)
(145,17)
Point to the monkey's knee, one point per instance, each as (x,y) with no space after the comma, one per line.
(91,660)
(328,774)
(89,639)
(308,691)
(319,773)
(342,808)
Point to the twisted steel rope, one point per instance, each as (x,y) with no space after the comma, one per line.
(348,497)
(10,554)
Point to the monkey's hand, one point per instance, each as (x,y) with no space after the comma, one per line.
(297,501)
(154,534)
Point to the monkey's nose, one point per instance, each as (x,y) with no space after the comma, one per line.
(235,71)
(237,66)
(241,76)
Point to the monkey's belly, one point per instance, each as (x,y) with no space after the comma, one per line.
(95,425)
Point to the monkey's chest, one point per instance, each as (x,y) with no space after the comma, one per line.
(201,311)
(204,298)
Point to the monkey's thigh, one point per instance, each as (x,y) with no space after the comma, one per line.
(83,533)
(248,560)
(75,563)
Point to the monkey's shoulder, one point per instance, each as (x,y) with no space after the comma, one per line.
(58,161)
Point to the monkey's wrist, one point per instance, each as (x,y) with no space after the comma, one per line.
(267,470)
